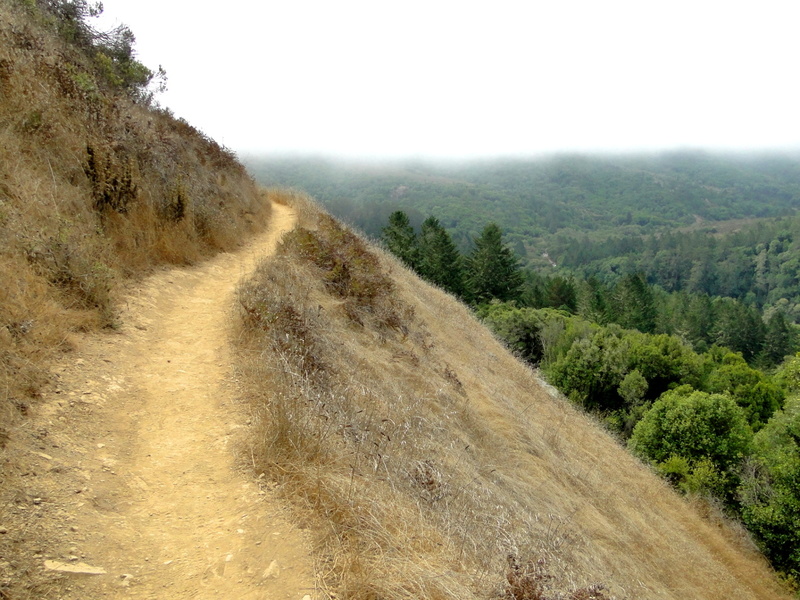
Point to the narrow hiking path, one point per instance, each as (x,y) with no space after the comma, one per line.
(140,425)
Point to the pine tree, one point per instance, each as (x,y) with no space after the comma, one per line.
(738,327)
(593,300)
(777,339)
(493,268)
(401,240)
(440,261)
(561,294)
(634,304)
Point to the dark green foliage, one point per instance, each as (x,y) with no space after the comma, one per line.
(440,261)
(787,375)
(615,372)
(561,294)
(519,328)
(490,272)
(750,388)
(686,430)
(664,361)
(591,371)
(593,300)
(738,327)
(770,491)
(634,306)
(778,342)
(596,370)
(494,270)
(401,240)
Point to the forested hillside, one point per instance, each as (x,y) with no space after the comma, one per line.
(574,196)
(716,225)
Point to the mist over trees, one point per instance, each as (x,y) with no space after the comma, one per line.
(720,225)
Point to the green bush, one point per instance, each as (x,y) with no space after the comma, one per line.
(752,390)
(707,432)
(770,491)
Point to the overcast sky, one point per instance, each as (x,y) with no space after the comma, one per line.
(444,78)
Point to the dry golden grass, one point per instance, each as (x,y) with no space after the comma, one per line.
(435,465)
(94,189)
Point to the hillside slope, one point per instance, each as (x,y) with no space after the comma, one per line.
(435,465)
(135,479)
(96,186)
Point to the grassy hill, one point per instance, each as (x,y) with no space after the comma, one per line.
(433,464)
(97,187)
(428,461)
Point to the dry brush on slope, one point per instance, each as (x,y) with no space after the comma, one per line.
(96,187)
(435,465)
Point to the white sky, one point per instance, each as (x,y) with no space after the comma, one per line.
(443,78)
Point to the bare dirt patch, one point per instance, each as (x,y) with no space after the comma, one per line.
(134,474)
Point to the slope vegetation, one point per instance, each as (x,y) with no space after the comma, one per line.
(96,187)
(135,480)
(435,465)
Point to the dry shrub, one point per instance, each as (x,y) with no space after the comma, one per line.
(531,581)
(350,272)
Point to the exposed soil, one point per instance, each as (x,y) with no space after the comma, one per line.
(137,472)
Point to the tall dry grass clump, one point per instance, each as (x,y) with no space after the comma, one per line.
(433,464)
(95,186)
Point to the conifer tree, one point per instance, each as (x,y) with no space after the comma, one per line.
(561,294)
(593,300)
(440,261)
(738,327)
(777,339)
(634,303)
(494,270)
(401,240)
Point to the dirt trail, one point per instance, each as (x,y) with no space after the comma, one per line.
(141,425)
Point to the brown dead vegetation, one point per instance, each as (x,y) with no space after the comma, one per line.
(435,465)
(95,189)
